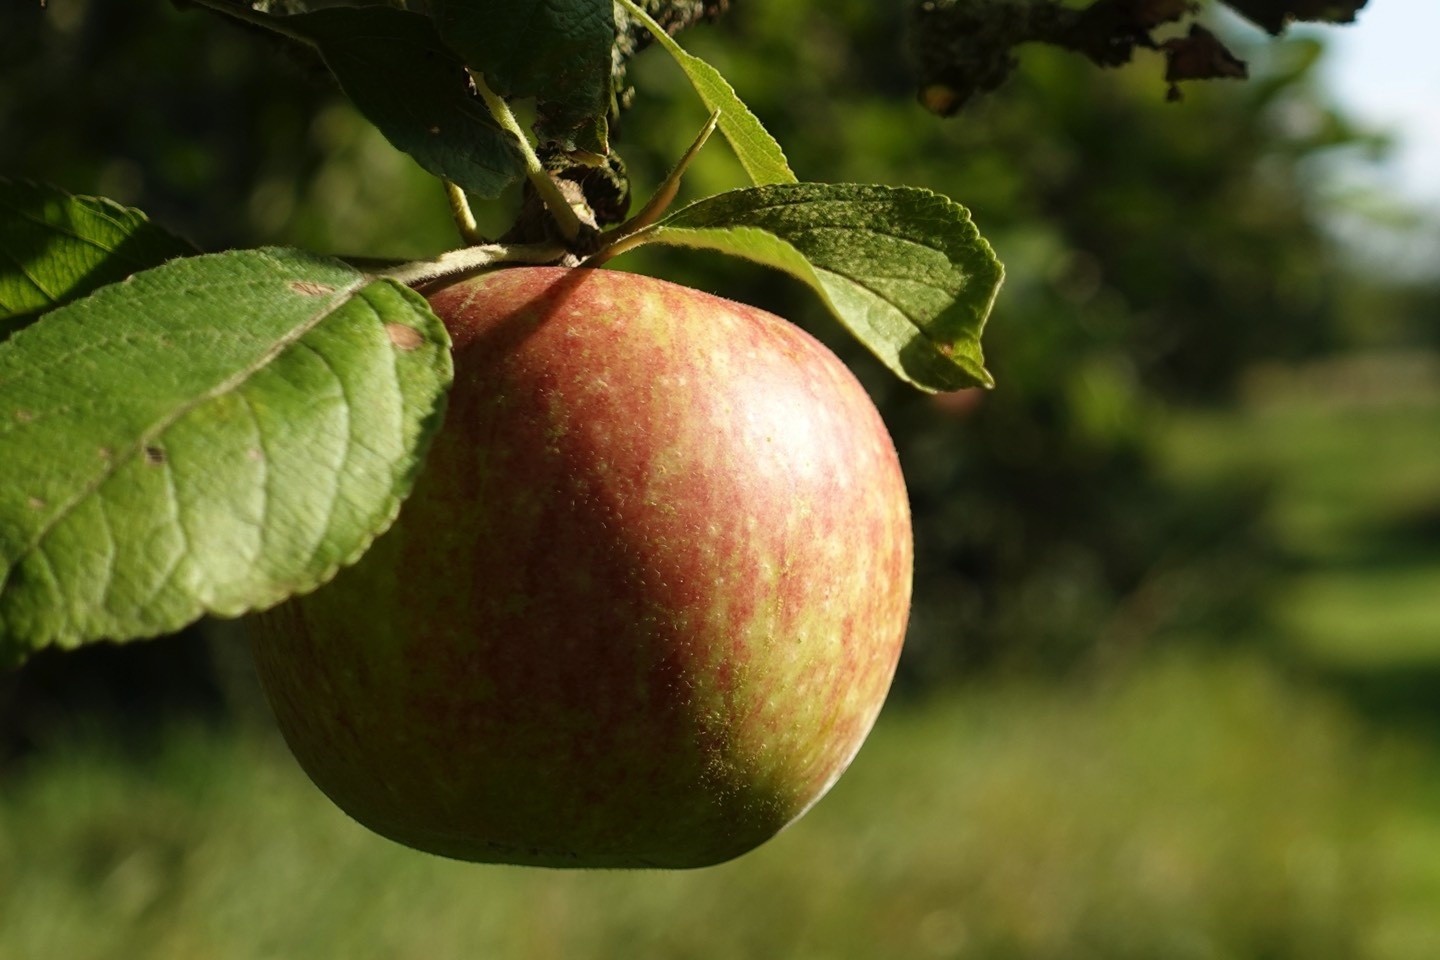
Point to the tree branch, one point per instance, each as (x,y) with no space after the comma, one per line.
(606,188)
(963,48)
(631,37)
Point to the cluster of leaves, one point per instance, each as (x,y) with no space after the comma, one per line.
(967,48)
(184,434)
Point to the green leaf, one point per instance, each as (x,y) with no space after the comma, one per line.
(55,247)
(757,151)
(210,436)
(400,74)
(903,268)
(557,51)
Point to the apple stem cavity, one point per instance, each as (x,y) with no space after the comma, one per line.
(564,215)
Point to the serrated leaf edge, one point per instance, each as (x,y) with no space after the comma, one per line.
(111,211)
(966,355)
(11,654)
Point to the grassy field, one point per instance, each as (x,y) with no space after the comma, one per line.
(1198,808)
(1354,453)
(1201,804)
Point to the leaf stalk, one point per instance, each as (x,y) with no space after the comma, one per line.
(627,235)
(469,260)
(464,216)
(565,217)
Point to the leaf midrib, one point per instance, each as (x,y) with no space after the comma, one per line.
(343,297)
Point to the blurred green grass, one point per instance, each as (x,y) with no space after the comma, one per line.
(1202,802)
(1352,448)
(1200,807)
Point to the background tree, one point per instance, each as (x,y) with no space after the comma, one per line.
(1158,704)
(1150,260)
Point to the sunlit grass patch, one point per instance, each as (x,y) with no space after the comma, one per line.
(1195,808)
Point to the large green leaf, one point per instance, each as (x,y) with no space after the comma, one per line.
(400,74)
(55,247)
(757,151)
(209,436)
(903,268)
(557,51)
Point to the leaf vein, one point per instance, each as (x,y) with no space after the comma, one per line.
(233,382)
(267,496)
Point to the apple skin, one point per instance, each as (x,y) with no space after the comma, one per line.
(643,604)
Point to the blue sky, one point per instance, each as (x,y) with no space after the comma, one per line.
(1385,69)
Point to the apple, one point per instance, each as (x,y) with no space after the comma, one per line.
(643,604)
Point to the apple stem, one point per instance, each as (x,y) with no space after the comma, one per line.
(560,209)
(464,217)
(470,260)
(616,239)
(621,244)
(664,195)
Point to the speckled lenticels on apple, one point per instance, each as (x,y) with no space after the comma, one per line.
(643,605)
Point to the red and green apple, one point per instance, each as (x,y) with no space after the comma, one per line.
(643,604)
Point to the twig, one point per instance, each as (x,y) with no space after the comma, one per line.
(555,202)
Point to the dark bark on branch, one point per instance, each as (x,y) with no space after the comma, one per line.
(606,188)
(963,48)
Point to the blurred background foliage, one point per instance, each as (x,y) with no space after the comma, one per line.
(1171,684)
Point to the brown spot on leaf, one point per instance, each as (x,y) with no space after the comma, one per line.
(403,337)
(154,456)
(24,416)
(254,454)
(36,503)
(309,288)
